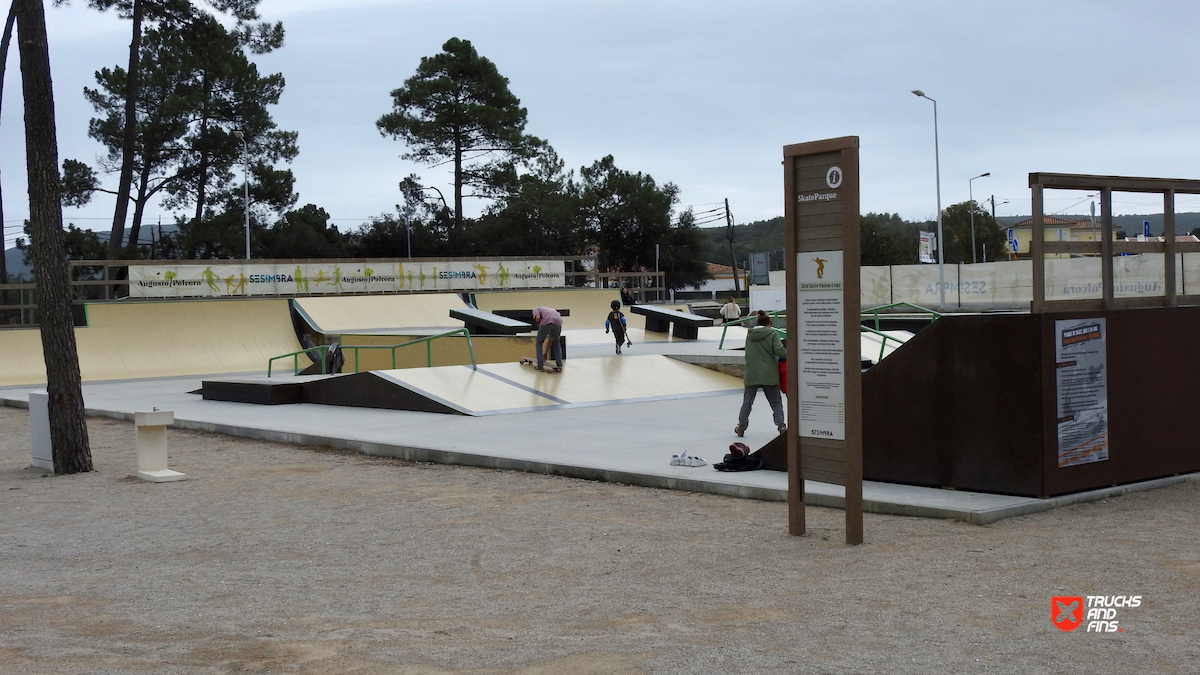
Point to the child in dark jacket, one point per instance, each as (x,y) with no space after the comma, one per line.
(616,322)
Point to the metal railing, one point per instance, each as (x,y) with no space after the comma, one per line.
(874,311)
(737,322)
(295,356)
(933,315)
(428,348)
(324,352)
(883,342)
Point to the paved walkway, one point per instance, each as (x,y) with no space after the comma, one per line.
(627,443)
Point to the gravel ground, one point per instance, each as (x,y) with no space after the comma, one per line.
(275,558)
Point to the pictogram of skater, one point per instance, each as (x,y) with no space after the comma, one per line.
(820,267)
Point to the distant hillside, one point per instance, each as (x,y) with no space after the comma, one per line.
(14,261)
(1132,224)
(14,258)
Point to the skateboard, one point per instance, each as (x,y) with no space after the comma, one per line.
(526,361)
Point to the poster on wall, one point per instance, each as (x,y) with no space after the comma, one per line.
(1081,367)
(822,351)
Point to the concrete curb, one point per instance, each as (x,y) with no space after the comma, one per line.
(816,494)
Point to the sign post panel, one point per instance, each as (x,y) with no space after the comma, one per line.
(821,223)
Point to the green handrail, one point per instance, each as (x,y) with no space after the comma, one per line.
(296,359)
(933,315)
(428,348)
(324,349)
(883,343)
(737,322)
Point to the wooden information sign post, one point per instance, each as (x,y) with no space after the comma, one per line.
(821,226)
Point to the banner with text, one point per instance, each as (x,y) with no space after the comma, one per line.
(248,278)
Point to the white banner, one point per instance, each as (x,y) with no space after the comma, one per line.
(233,278)
(1009,284)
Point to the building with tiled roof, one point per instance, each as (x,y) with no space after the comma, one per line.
(1054,229)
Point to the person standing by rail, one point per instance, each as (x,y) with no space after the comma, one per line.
(764,348)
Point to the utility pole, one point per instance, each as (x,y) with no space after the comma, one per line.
(732,257)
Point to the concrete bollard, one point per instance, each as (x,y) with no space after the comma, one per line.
(151,442)
(39,430)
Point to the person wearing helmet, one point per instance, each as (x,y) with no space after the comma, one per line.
(616,321)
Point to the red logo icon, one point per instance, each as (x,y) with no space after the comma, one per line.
(1066,611)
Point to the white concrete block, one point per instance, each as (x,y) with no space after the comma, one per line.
(162,476)
(156,418)
(151,443)
(39,430)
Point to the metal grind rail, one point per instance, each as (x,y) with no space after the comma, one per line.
(324,350)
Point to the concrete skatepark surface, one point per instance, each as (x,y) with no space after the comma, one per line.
(355,545)
(276,558)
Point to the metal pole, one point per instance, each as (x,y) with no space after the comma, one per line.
(971,193)
(941,244)
(246,184)
(732,257)
(937,168)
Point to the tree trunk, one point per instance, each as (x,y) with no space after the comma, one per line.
(4,42)
(139,209)
(68,427)
(127,148)
(202,165)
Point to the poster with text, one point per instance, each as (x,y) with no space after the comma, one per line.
(821,343)
(1081,365)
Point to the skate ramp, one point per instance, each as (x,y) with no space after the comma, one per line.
(136,340)
(492,389)
(510,387)
(380,313)
(589,307)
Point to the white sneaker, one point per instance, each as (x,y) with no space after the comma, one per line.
(695,461)
(676,460)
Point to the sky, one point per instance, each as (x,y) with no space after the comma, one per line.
(704,94)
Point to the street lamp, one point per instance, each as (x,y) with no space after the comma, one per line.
(971,192)
(237,133)
(937,167)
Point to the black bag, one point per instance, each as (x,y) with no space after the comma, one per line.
(739,459)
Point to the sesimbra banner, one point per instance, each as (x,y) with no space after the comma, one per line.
(249,278)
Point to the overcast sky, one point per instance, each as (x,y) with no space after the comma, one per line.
(704,94)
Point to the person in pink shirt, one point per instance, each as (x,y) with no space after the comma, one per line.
(549,325)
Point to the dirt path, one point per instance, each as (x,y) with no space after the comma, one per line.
(274,558)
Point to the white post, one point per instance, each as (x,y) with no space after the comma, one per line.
(151,443)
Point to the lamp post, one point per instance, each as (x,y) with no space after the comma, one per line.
(971,193)
(237,133)
(937,167)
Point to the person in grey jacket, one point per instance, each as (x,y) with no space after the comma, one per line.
(764,348)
